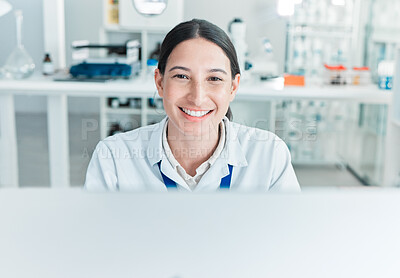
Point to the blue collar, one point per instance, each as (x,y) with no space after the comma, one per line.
(225,181)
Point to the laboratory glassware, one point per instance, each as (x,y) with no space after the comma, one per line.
(19,64)
(48,68)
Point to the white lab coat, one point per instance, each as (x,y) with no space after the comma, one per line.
(128,162)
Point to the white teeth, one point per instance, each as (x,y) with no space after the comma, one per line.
(195,113)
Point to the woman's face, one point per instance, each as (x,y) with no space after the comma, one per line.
(197,86)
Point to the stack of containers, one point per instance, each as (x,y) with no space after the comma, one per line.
(336,75)
(360,76)
(385,73)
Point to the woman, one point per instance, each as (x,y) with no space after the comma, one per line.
(196,147)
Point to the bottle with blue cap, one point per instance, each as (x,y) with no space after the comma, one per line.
(151,67)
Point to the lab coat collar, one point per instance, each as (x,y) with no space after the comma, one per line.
(155,151)
(232,154)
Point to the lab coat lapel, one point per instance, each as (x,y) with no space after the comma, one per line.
(233,151)
(155,153)
(232,154)
(167,170)
(212,178)
(154,149)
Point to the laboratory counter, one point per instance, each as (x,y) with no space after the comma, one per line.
(145,87)
(57,93)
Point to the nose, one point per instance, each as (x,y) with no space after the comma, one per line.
(197,94)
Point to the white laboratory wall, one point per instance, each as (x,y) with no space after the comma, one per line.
(83,20)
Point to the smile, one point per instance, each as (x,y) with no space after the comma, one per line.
(197,113)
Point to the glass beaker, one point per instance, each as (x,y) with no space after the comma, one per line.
(19,64)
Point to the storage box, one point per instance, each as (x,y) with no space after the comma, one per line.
(294,80)
(360,76)
(336,75)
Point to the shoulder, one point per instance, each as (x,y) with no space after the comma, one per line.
(259,144)
(138,137)
(254,135)
(268,154)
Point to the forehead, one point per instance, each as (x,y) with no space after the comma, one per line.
(198,52)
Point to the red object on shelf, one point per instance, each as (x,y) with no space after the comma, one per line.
(294,80)
(336,75)
(361,75)
(361,68)
(336,68)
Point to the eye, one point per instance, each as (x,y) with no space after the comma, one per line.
(214,78)
(180,76)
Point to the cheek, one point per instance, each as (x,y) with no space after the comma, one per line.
(220,89)
(172,91)
(223,93)
(222,99)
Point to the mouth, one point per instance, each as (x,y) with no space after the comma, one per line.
(195,113)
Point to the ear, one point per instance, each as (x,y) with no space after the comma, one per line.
(235,87)
(158,78)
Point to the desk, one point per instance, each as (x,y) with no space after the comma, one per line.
(51,233)
(57,93)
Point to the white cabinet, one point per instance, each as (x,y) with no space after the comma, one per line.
(320,32)
(122,22)
(124,114)
(383,30)
(130,18)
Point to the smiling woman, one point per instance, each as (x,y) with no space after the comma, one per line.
(196,147)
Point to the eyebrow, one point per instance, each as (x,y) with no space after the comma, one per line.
(218,70)
(187,69)
(179,67)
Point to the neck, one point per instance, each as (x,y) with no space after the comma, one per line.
(191,151)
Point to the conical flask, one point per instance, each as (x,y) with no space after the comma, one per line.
(19,64)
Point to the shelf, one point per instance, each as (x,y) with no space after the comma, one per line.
(385,35)
(385,38)
(155,111)
(120,29)
(385,30)
(38,85)
(319,34)
(322,25)
(371,132)
(306,162)
(123,110)
(134,111)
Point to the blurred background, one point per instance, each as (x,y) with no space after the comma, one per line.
(320,74)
